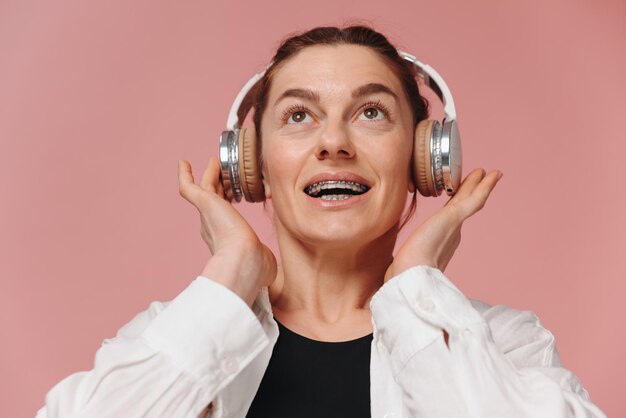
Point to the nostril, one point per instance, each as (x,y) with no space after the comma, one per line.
(322,154)
(342,153)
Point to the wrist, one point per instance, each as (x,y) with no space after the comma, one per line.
(399,267)
(240,271)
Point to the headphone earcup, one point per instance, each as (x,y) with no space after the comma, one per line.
(249,170)
(421,165)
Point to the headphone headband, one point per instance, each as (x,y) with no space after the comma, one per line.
(425,72)
(233,116)
(432,79)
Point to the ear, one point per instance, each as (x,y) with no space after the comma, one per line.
(411,171)
(410,181)
(411,184)
(266,186)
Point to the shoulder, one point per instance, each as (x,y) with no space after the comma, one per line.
(519,335)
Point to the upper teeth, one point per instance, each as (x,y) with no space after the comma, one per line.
(315,188)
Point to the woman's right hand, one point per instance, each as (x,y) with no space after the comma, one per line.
(240,260)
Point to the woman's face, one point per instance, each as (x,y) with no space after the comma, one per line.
(337,138)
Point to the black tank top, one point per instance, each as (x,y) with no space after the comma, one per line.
(308,378)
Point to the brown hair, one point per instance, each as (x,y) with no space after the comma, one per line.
(349,35)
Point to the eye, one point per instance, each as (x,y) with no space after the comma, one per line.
(374,111)
(296,115)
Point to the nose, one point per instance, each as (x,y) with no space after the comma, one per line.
(335,142)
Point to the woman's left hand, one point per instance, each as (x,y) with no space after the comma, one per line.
(433,243)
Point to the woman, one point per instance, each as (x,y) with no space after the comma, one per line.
(249,338)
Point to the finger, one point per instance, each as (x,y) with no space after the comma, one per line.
(476,201)
(211,176)
(185,180)
(220,188)
(468,185)
(184,172)
(228,194)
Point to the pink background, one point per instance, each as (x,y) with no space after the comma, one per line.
(98,101)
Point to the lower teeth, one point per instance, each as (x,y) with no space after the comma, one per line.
(335,197)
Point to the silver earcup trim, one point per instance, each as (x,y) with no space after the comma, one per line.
(229,162)
(436,160)
(452,156)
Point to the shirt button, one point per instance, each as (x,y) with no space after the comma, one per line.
(229,365)
(426,305)
(390,415)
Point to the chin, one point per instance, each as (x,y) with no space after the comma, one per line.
(356,224)
(343,233)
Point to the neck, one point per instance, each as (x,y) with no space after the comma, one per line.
(329,282)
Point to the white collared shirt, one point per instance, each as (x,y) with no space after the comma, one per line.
(208,347)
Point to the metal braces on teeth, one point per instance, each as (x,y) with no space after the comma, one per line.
(315,188)
(335,197)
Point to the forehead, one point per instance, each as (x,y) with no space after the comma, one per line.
(333,69)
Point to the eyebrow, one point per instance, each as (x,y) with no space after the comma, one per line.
(361,91)
(372,88)
(305,94)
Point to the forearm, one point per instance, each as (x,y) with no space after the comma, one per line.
(169,361)
(470,376)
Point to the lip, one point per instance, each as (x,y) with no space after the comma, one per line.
(335,204)
(336,176)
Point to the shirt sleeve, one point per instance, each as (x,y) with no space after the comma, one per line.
(498,363)
(170,360)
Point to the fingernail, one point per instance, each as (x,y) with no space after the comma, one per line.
(500,175)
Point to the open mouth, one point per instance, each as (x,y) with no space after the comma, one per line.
(335,189)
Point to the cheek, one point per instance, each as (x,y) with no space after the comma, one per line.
(280,169)
(272,167)
(394,161)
